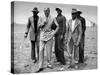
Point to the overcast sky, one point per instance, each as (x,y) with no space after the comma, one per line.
(22,10)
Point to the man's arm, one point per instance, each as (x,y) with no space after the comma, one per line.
(84,24)
(80,33)
(27,28)
(55,21)
(64,26)
(67,32)
(42,23)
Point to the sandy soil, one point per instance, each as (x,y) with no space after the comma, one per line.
(23,62)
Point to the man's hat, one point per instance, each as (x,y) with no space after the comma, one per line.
(58,9)
(46,9)
(74,11)
(79,12)
(35,9)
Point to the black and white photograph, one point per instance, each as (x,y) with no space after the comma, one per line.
(50,37)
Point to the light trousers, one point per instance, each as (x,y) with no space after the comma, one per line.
(48,47)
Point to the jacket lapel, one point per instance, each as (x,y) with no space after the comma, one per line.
(32,22)
(76,24)
(70,25)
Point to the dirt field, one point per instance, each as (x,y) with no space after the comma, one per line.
(23,62)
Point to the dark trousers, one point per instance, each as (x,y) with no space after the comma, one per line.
(81,49)
(59,49)
(34,50)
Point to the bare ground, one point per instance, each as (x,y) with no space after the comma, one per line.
(22,51)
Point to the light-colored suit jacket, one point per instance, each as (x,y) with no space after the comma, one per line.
(31,29)
(76,33)
(46,32)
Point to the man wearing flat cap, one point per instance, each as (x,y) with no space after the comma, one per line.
(59,37)
(81,45)
(32,29)
(74,37)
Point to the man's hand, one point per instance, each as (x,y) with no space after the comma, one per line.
(25,36)
(61,37)
(45,23)
(76,44)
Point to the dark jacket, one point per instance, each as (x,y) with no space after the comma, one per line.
(62,25)
(83,22)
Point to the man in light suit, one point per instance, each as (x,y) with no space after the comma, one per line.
(33,30)
(74,32)
(46,39)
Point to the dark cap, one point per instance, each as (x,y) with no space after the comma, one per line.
(58,9)
(79,12)
(35,9)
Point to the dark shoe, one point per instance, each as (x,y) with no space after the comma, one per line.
(80,61)
(63,63)
(41,69)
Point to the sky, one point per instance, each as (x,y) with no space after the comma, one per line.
(22,10)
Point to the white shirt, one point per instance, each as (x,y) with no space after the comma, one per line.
(73,24)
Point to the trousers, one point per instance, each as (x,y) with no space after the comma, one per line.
(48,47)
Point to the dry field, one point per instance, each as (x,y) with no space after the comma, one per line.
(23,62)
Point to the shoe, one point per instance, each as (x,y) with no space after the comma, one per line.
(34,61)
(41,69)
(62,69)
(76,67)
(69,62)
(75,62)
(49,66)
(80,61)
(71,66)
(62,63)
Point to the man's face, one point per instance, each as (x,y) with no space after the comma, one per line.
(35,13)
(47,12)
(74,15)
(59,12)
(78,15)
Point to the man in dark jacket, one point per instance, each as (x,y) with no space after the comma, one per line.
(59,37)
(32,29)
(82,42)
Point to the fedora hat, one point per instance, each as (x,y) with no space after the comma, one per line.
(79,12)
(35,9)
(58,9)
(74,11)
(46,9)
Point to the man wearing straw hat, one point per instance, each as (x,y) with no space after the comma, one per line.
(32,29)
(74,36)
